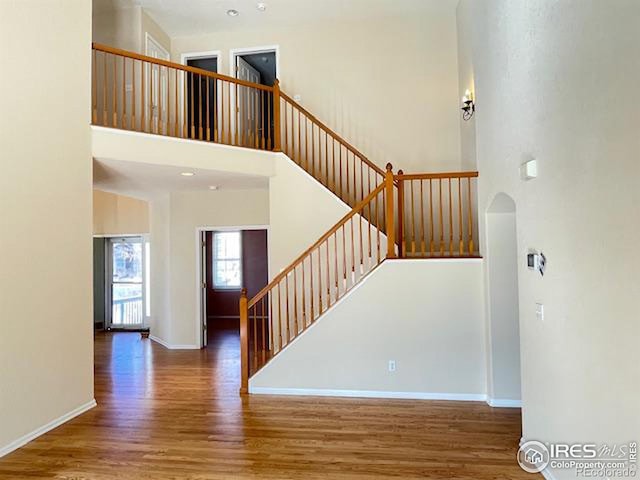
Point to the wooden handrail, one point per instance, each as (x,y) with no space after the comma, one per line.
(337,137)
(427,176)
(318,242)
(186,68)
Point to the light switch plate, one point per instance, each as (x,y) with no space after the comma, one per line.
(540,311)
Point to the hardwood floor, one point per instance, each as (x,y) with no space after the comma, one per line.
(166,414)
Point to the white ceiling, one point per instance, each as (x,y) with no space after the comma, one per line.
(145,181)
(192,17)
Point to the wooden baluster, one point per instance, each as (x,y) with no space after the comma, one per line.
(471,246)
(104,89)
(271,322)
(286,286)
(216,135)
(311,294)
(353,252)
(124,92)
(244,347)
(333,161)
(423,246)
(461,242)
(335,266)
(340,170)
(114,97)
(412,219)
(346,161)
(401,237)
(306,142)
(200,129)
(344,256)
(304,298)
(378,226)
(184,130)
(320,302)
(441,220)
(253,329)
(326,159)
(295,300)
(450,221)
(263,142)
(143,98)
(269,108)
(236,113)
(431,239)
(94,89)
(299,140)
(280,314)
(176,120)
(192,125)
(263,332)
(206,80)
(313,152)
(255,120)
(285,125)
(391,246)
(276,116)
(328,277)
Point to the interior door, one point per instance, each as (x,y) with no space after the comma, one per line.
(125,269)
(203,286)
(249,108)
(158,88)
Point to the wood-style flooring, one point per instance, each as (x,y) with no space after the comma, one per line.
(165,414)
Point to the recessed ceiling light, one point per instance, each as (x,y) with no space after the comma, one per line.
(233,13)
(187,174)
(213,187)
(261,6)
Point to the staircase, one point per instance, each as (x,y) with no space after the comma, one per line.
(393,216)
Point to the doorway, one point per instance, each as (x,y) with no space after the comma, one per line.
(157,93)
(201,95)
(230,259)
(255,118)
(125,283)
(503,303)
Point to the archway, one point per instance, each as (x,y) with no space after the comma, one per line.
(502,303)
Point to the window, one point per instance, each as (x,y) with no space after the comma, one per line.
(227,260)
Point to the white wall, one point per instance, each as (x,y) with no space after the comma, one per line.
(174,222)
(46,340)
(389,86)
(118,214)
(436,340)
(552,82)
(301,210)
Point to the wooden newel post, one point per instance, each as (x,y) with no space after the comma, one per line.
(244,343)
(277,147)
(401,242)
(391,225)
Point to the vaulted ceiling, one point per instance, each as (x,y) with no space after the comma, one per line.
(193,17)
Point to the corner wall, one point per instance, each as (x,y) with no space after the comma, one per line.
(46,326)
(551,83)
(436,340)
(118,214)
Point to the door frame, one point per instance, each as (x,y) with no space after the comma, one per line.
(108,258)
(150,39)
(202,274)
(234,52)
(186,56)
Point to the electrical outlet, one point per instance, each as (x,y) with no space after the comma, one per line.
(540,312)
(392,365)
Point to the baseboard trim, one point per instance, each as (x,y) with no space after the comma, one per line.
(504,403)
(313,392)
(171,346)
(22,441)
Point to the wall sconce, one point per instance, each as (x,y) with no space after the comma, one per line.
(468,107)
